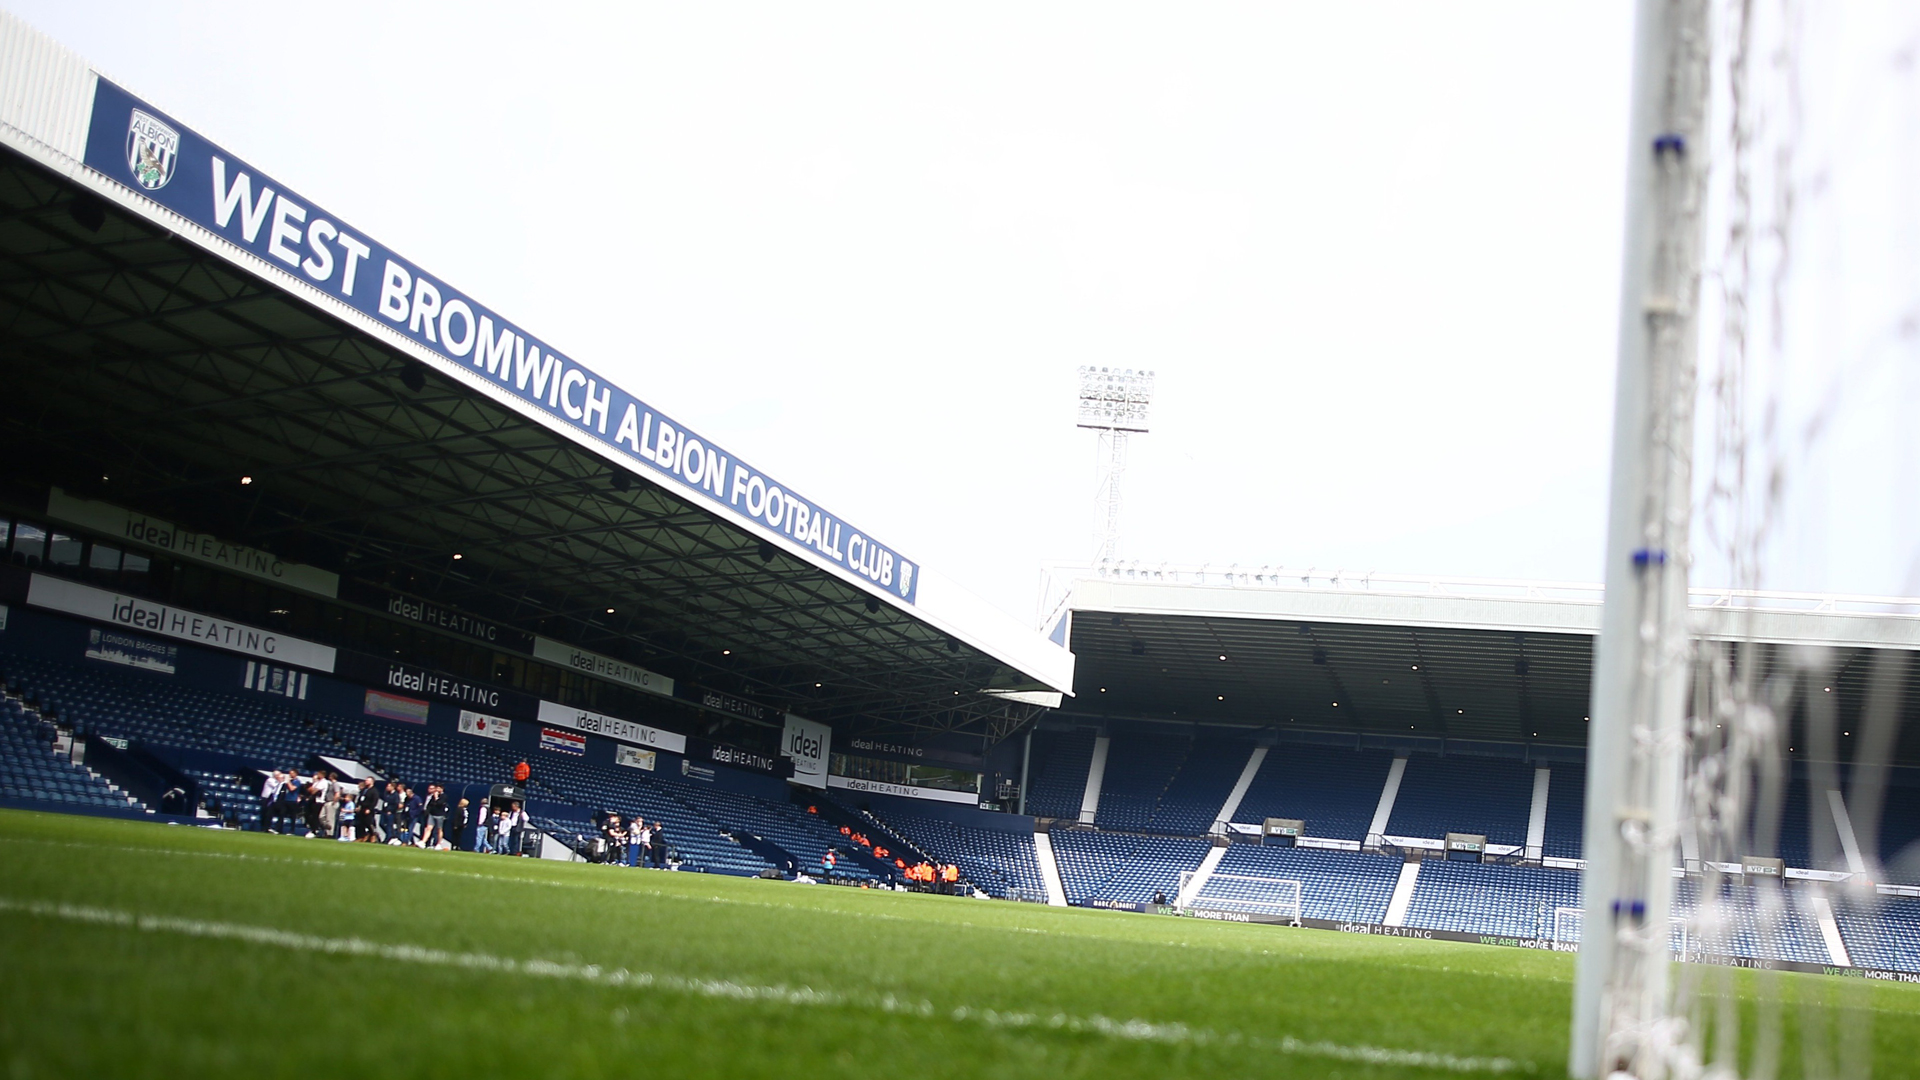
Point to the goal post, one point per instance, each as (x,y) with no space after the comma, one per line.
(1242,898)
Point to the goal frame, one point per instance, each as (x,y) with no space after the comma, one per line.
(1285,908)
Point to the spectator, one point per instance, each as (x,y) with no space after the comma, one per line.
(522,773)
(269,792)
(390,806)
(614,832)
(286,802)
(327,796)
(640,840)
(416,818)
(346,813)
(459,826)
(657,848)
(827,862)
(483,823)
(515,829)
(436,806)
(368,822)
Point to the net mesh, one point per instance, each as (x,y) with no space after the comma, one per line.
(1271,898)
(1808,463)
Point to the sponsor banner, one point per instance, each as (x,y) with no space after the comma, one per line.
(905,791)
(269,679)
(407,679)
(1221,915)
(563,742)
(725,703)
(394,707)
(912,755)
(141,148)
(696,772)
(3,618)
(102,605)
(487,727)
(808,744)
(613,727)
(602,667)
(438,616)
(734,757)
(1119,905)
(117,648)
(633,757)
(148,531)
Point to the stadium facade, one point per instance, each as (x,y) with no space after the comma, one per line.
(279,496)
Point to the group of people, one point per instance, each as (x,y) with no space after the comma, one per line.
(371,812)
(635,842)
(943,878)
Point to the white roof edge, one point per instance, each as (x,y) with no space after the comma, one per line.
(46,100)
(949,606)
(1513,612)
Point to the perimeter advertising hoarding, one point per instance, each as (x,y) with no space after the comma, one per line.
(808,744)
(160,535)
(406,679)
(612,727)
(905,791)
(154,156)
(634,758)
(134,613)
(735,757)
(135,652)
(601,667)
(913,754)
(486,727)
(439,616)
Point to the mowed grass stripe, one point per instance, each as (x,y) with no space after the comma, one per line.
(1130,1029)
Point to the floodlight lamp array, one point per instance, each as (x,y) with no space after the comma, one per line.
(1114,399)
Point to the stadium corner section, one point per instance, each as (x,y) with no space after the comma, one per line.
(58,111)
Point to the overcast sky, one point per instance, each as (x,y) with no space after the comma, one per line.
(1371,250)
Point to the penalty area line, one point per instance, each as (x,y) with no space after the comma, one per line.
(734,990)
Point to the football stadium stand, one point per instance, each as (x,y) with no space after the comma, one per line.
(30,769)
(1059,773)
(1333,790)
(1489,796)
(1001,864)
(1515,901)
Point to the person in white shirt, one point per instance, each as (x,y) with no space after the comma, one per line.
(269,813)
(640,837)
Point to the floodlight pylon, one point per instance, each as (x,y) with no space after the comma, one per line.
(1113,403)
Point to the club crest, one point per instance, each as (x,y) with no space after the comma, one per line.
(906,578)
(152,150)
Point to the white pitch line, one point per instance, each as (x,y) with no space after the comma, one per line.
(733,990)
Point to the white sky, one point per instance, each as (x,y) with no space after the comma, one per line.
(1370,249)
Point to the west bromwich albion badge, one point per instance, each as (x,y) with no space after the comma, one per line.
(152,150)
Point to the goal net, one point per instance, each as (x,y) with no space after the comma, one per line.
(1765,460)
(1241,898)
(1566,932)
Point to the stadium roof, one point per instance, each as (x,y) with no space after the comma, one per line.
(1414,659)
(152,340)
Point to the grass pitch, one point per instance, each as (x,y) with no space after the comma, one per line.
(133,950)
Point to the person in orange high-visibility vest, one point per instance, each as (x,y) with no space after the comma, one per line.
(949,877)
